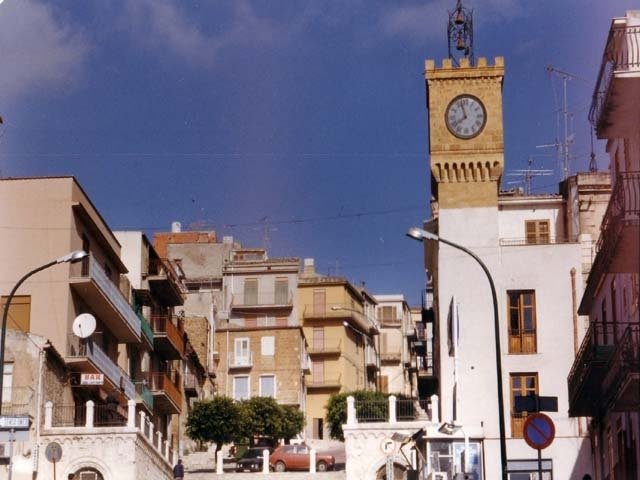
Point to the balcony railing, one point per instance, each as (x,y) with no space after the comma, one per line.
(144,395)
(621,54)
(163,278)
(240,359)
(164,383)
(192,384)
(76,415)
(406,409)
(589,369)
(324,382)
(17,400)
(262,299)
(540,240)
(168,330)
(108,299)
(341,311)
(327,347)
(371,357)
(621,385)
(89,350)
(145,327)
(390,356)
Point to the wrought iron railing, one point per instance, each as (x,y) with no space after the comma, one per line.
(104,415)
(262,299)
(624,207)
(144,394)
(17,400)
(625,359)
(407,409)
(170,326)
(163,267)
(621,53)
(540,240)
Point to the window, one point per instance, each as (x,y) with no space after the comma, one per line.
(242,351)
(7,382)
(19,315)
(528,469)
(241,388)
(522,384)
(268,346)
(318,339)
(449,457)
(266,321)
(317,371)
(282,291)
(387,313)
(319,302)
(268,386)
(251,291)
(522,321)
(537,231)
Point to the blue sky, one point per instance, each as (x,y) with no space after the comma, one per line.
(299,124)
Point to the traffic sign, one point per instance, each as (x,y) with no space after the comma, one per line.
(539,431)
(53,452)
(14,422)
(388,446)
(535,403)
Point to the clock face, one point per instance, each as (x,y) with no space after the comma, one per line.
(465,116)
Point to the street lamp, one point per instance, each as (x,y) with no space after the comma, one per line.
(421,235)
(71,257)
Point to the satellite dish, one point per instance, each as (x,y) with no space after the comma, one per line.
(84,325)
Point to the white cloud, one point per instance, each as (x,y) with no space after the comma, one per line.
(37,49)
(163,25)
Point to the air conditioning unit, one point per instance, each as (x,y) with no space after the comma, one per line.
(438,476)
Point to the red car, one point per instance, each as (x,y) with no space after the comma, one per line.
(296,457)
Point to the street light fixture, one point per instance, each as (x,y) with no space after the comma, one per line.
(421,235)
(71,257)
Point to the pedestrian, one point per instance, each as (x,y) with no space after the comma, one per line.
(178,470)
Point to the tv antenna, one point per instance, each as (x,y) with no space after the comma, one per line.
(527,175)
(564,147)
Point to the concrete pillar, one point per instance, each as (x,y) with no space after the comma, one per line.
(219,463)
(352,417)
(48,414)
(90,414)
(265,462)
(392,409)
(312,460)
(131,414)
(435,418)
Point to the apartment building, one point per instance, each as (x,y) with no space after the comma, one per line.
(338,325)
(258,332)
(535,248)
(604,382)
(201,258)
(396,327)
(158,372)
(84,398)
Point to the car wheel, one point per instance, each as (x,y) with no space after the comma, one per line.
(280,467)
(321,467)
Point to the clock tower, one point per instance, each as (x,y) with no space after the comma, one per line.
(466,143)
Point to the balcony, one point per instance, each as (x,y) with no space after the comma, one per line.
(18,400)
(305,363)
(621,384)
(536,241)
(615,105)
(589,370)
(165,389)
(147,331)
(338,311)
(168,339)
(257,301)
(144,397)
(84,356)
(165,283)
(424,365)
(326,348)
(371,358)
(324,383)
(391,322)
(192,386)
(390,356)
(240,359)
(104,298)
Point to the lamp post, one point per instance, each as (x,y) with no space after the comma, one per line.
(421,235)
(72,257)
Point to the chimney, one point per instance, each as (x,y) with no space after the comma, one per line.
(308,267)
(176,227)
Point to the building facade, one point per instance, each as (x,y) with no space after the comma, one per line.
(604,382)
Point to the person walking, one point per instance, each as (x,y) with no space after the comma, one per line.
(178,470)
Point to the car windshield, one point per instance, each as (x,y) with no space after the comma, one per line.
(253,453)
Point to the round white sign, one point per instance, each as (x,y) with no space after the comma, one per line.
(388,446)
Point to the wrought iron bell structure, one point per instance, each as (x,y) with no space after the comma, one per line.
(460,34)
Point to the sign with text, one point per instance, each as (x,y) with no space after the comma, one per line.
(92,379)
(14,422)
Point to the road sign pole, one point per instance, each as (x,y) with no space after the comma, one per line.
(10,474)
(539,464)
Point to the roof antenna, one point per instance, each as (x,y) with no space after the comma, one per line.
(593,166)
(460,34)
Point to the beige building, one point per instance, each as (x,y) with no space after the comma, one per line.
(45,218)
(258,333)
(396,326)
(604,382)
(338,325)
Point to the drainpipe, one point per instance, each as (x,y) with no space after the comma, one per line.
(574,314)
(36,447)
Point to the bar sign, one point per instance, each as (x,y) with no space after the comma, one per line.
(92,379)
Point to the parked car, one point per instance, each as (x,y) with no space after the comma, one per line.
(251,460)
(296,457)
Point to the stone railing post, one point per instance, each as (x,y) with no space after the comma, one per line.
(142,420)
(159,441)
(219,463)
(151,433)
(131,414)
(165,451)
(48,414)
(312,460)
(392,409)
(90,414)
(435,417)
(352,418)
(265,461)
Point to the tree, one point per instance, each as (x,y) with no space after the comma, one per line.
(216,420)
(292,422)
(374,402)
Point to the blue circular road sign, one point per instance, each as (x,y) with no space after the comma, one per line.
(539,431)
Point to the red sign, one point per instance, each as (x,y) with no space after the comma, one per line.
(539,431)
